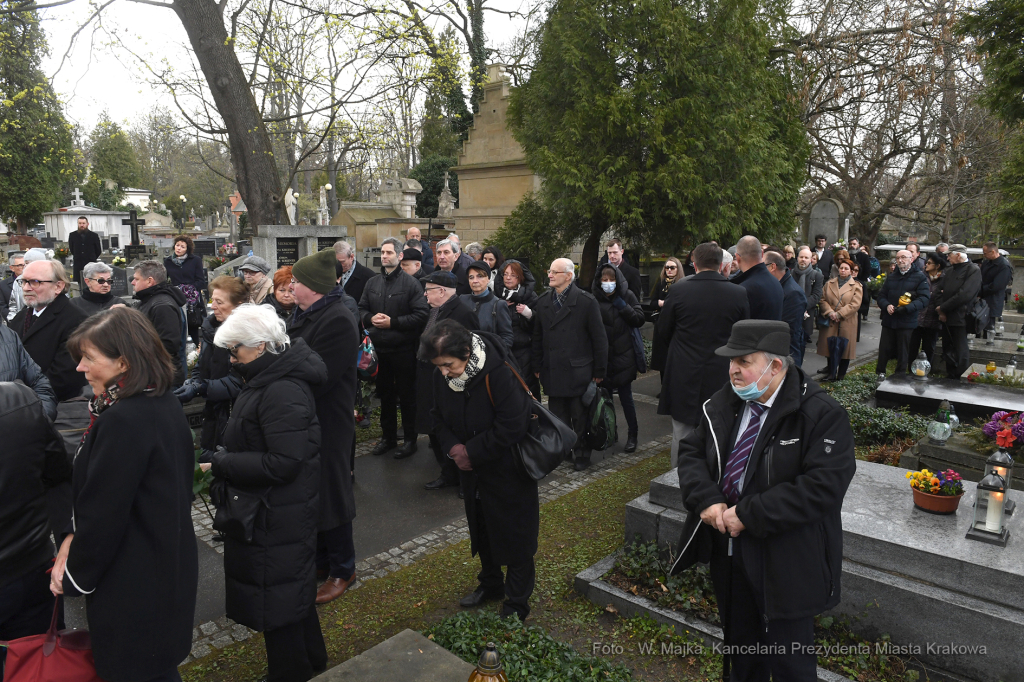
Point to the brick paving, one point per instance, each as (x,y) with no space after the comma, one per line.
(222,632)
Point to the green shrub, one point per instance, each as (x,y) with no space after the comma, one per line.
(873,425)
(641,564)
(528,653)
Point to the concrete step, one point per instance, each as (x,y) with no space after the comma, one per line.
(406,656)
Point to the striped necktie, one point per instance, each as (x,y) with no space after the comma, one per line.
(737,463)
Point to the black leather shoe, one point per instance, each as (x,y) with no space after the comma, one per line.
(581,463)
(408,449)
(630,444)
(440,482)
(479,596)
(383,446)
(462,495)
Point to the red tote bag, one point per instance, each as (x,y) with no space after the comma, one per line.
(64,656)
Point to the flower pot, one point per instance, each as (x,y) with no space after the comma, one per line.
(936,504)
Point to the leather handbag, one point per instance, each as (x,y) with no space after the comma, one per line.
(56,656)
(236,510)
(547,441)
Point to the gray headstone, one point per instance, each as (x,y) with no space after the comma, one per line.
(825,220)
(119,287)
(205,247)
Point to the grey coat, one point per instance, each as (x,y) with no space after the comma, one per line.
(570,346)
(17,365)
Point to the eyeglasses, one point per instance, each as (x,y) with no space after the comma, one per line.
(100,280)
(670,267)
(558,272)
(429,289)
(233,350)
(33,283)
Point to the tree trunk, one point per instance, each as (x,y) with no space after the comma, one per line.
(251,151)
(591,249)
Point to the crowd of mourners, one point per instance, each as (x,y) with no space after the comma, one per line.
(96,475)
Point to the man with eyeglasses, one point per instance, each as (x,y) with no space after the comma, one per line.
(46,322)
(440,291)
(16,261)
(570,349)
(98,278)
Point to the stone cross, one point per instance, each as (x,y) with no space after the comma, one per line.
(77,194)
(134,223)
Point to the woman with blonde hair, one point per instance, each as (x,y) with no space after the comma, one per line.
(671,272)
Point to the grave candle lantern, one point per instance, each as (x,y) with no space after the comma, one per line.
(920,367)
(1001,463)
(489,668)
(939,428)
(989,525)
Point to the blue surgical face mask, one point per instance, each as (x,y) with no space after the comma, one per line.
(751,391)
(608,287)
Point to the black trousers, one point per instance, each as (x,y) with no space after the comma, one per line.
(449,469)
(336,551)
(517,582)
(396,384)
(26,606)
(894,343)
(923,339)
(169,676)
(296,652)
(573,412)
(792,658)
(955,352)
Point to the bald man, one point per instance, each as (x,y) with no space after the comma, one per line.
(570,348)
(764,293)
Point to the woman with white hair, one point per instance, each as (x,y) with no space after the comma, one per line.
(271,457)
(96,296)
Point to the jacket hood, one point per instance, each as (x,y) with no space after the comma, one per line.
(162,288)
(529,283)
(298,361)
(621,286)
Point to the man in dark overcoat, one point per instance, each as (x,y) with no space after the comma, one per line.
(763,479)
(85,247)
(959,286)
(794,301)
(46,322)
(329,328)
(570,349)
(699,313)
(354,275)
(996,274)
(764,293)
(440,288)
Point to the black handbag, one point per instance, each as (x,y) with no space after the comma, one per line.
(236,510)
(195,313)
(548,439)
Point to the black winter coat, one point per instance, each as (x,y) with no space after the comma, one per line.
(357,282)
(222,385)
(522,326)
(799,470)
(764,293)
(621,314)
(134,553)
(958,287)
(17,365)
(91,303)
(400,297)
(492,314)
(161,304)
(794,305)
(453,309)
(462,276)
(6,289)
(282,312)
(47,342)
(32,461)
(896,284)
(85,246)
(633,281)
(272,448)
(329,329)
(570,346)
(995,276)
(659,342)
(487,424)
(698,315)
(190,273)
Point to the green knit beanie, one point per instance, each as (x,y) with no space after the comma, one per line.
(317,271)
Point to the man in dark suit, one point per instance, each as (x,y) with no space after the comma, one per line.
(861,258)
(824,255)
(441,292)
(17,264)
(633,281)
(85,247)
(354,275)
(570,349)
(46,322)
(794,301)
(698,315)
(764,293)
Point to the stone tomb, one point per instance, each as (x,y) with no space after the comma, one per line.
(404,657)
(956,454)
(970,400)
(282,245)
(906,573)
(1000,351)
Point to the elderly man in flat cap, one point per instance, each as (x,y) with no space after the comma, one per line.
(763,478)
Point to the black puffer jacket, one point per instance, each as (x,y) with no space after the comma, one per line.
(161,304)
(222,385)
(400,296)
(799,469)
(31,461)
(273,448)
(17,365)
(621,313)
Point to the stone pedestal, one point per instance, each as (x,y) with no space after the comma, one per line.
(956,454)
(406,656)
(282,245)
(970,400)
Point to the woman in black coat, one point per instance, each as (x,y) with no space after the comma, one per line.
(212,377)
(480,409)
(514,283)
(272,450)
(131,549)
(671,273)
(621,314)
(185,270)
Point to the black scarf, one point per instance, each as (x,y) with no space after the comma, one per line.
(93,297)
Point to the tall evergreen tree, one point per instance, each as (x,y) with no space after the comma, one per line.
(668,121)
(112,158)
(37,152)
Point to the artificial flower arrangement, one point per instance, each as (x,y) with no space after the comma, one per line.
(875,283)
(228,249)
(839,246)
(946,482)
(61,251)
(1005,428)
(119,261)
(1018,303)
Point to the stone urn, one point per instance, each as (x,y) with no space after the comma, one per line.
(936,504)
